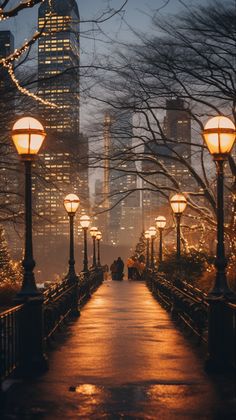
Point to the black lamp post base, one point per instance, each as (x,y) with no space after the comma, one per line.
(217,293)
(71,277)
(33,360)
(27,294)
(221,288)
(24,294)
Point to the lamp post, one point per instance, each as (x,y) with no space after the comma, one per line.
(93,233)
(28,135)
(219,136)
(152,233)
(99,237)
(71,204)
(178,204)
(160,224)
(147,237)
(85,222)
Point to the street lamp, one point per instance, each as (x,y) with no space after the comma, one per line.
(178,204)
(147,237)
(84,223)
(99,237)
(28,135)
(152,233)
(160,224)
(93,233)
(219,135)
(71,204)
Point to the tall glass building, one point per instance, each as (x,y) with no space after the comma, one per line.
(177,131)
(124,216)
(58,64)
(59,170)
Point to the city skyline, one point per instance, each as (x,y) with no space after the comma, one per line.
(49,52)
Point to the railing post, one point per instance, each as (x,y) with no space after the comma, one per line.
(31,338)
(75,299)
(218,336)
(32,357)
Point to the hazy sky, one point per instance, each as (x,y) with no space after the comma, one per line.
(137,14)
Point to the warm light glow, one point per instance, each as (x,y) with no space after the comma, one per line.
(71,203)
(28,135)
(152,231)
(219,135)
(85,221)
(147,234)
(160,222)
(178,203)
(93,231)
(99,235)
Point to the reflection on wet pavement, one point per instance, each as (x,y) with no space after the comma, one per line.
(123,359)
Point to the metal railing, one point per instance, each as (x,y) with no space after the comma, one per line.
(66,298)
(58,305)
(213,321)
(60,302)
(9,341)
(184,302)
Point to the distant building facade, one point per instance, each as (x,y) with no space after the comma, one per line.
(6,48)
(10,166)
(63,166)
(123,218)
(176,143)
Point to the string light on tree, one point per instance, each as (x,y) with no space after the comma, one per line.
(26,91)
(7,62)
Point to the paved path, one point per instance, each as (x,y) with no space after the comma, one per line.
(122,359)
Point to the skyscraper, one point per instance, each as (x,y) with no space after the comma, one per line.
(124,216)
(61,171)
(58,65)
(7,90)
(10,167)
(169,151)
(6,48)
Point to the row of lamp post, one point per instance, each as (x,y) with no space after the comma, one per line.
(71,204)
(178,204)
(150,234)
(28,135)
(219,136)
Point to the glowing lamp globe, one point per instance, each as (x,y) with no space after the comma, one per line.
(28,135)
(219,135)
(178,203)
(147,234)
(71,203)
(152,231)
(99,235)
(160,222)
(85,221)
(93,231)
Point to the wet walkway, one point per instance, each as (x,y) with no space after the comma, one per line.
(122,359)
